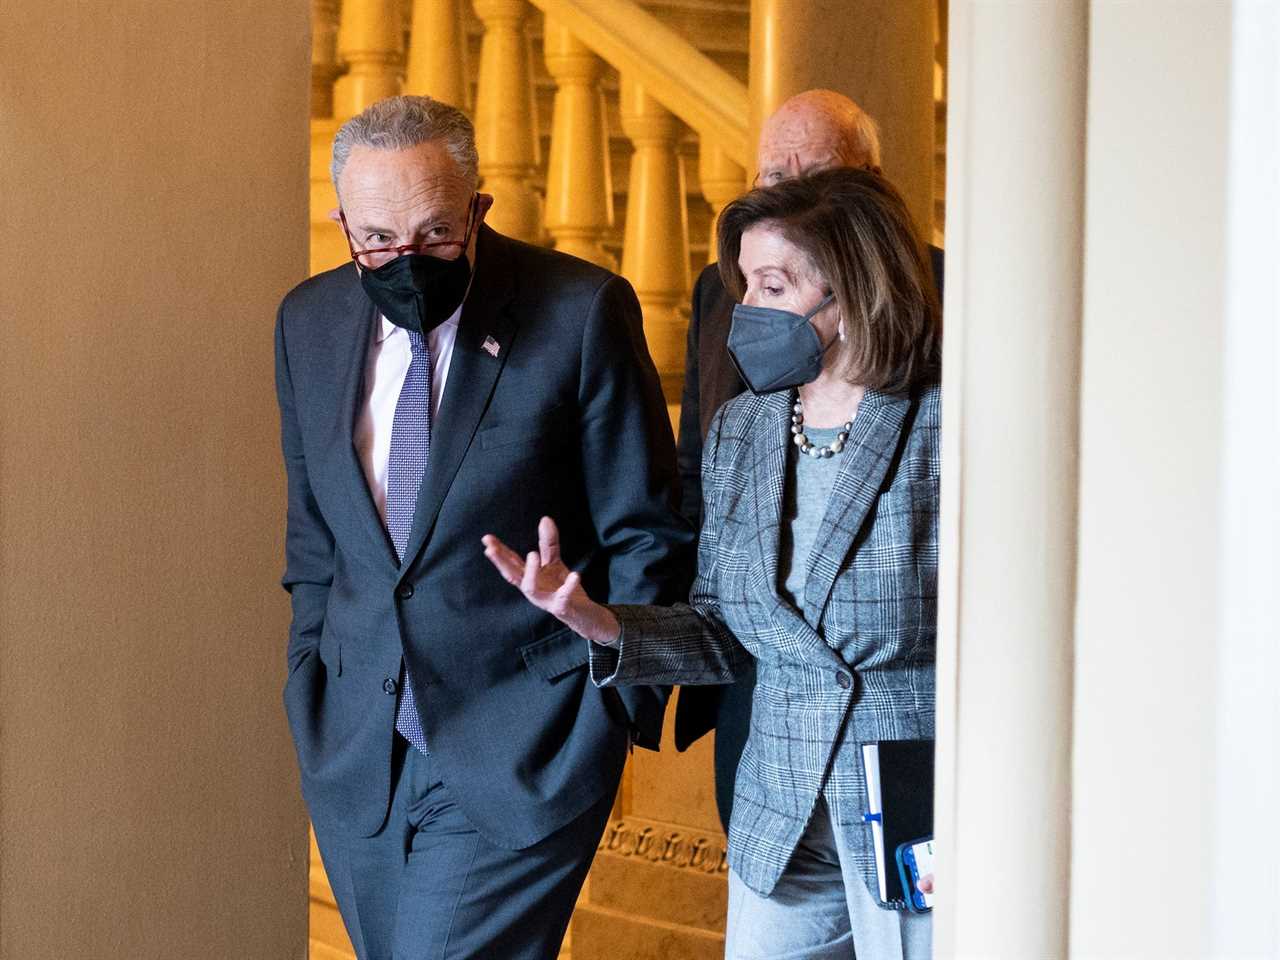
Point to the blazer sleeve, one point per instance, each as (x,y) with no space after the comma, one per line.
(687,643)
(308,541)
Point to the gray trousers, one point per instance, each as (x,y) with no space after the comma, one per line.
(428,886)
(821,910)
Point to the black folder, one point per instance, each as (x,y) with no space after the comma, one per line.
(906,804)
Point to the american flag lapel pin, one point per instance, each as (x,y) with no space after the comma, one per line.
(490,346)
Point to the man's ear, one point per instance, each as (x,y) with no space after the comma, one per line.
(333,215)
(483,204)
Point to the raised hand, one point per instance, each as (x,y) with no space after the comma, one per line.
(551,586)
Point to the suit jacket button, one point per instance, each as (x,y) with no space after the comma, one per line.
(404,591)
(843,680)
(389,686)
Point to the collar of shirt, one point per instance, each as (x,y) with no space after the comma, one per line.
(386,328)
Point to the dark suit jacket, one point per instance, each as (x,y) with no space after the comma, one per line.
(568,421)
(710,381)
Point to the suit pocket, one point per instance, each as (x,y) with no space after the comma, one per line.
(545,430)
(558,653)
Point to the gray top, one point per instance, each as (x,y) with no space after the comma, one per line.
(804,504)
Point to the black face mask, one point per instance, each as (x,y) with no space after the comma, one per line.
(418,291)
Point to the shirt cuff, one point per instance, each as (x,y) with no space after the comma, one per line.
(606,662)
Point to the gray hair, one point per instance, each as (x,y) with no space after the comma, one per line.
(399,123)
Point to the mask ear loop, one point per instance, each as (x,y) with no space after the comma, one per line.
(839,329)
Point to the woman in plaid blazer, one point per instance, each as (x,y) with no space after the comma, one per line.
(818,555)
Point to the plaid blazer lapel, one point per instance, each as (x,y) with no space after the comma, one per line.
(768,459)
(770,446)
(871,447)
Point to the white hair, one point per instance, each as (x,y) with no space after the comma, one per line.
(399,123)
(862,138)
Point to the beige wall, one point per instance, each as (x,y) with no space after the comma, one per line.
(153,171)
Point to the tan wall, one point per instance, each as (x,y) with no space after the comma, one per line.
(153,172)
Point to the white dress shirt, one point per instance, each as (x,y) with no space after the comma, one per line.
(385,368)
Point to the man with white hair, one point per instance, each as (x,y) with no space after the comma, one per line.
(813,131)
(450,382)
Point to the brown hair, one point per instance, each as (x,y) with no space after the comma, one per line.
(855,229)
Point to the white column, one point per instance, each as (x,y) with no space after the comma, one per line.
(1009,478)
(1151,434)
(1248,718)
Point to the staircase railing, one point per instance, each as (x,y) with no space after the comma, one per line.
(673,71)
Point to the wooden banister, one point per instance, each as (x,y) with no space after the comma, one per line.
(671,70)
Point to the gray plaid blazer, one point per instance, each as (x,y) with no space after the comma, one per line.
(855,665)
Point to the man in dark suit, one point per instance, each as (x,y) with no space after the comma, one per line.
(458,765)
(813,131)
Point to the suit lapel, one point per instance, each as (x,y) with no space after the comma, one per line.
(473,373)
(351,347)
(871,447)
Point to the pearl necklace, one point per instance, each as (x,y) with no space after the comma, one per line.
(805,444)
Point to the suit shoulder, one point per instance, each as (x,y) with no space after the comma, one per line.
(709,290)
(708,278)
(318,292)
(541,268)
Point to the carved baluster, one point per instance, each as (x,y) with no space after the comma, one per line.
(579,186)
(438,52)
(506,122)
(324,56)
(655,251)
(371,42)
(722,181)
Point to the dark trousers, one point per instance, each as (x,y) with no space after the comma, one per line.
(427,886)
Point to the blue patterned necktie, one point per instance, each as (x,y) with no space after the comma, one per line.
(410,447)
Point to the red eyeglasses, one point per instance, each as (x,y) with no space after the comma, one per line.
(375,257)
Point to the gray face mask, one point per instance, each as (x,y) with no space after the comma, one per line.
(775,349)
